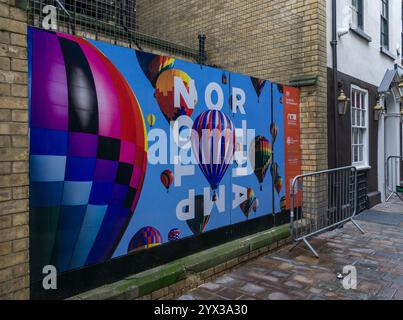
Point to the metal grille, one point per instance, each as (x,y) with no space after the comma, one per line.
(321,201)
(240,36)
(112,21)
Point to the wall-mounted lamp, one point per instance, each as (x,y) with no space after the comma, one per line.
(400,87)
(378,110)
(342,102)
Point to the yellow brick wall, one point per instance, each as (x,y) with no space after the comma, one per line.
(275,40)
(14,231)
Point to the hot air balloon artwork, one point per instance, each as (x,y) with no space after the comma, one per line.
(199,223)
(248,205)
(174,234)
(167,178)
(260,155)
(87,162)
(145,238)
(283,204)
(255,205)
(274,170)
(278,184)
(164,93)
(258,85)
(153,65)
(273,131)
(151,120)
(213,144)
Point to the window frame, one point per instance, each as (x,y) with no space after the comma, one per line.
(364,162)
(385,24)
(357,7)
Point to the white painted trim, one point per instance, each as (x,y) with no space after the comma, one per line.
(365,162)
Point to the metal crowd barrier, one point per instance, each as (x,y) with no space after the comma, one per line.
(393,177)
(321,201)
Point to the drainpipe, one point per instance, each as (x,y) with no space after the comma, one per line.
(335,85)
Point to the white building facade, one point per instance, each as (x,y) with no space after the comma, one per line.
(365,48)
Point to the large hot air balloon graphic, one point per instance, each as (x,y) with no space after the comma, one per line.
(145,238)
(258,85)
(213,144)
(249,204)
(174,234)
(88,152)
(260,155)
(167,178)
(153,65)
(151,120)
(199,223)
(164,93)
(274,131)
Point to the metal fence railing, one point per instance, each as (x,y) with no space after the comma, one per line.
(394,177)
(321,201)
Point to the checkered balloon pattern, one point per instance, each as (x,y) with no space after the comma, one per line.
(145,238)
(87,161)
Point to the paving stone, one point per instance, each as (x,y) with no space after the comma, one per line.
(284,275)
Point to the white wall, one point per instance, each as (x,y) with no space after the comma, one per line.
(357,57)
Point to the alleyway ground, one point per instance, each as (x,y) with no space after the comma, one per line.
(377,256)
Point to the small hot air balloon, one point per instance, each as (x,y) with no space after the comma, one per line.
(258,84)
(145,238)
(260,155)
(174,234)
(255,205)
(274,170)
(283,204)
(199,223)
(164,93)
(151,120)
(247,205)
(167,178)
(274,131)
(213,144)
(278,184)
(153,65)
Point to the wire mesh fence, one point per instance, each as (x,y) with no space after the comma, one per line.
(240,36)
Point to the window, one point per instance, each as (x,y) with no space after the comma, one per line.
(385,24)
(358,14)
(359,126)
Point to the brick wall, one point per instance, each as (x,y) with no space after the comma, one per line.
(276,40)
(14,230)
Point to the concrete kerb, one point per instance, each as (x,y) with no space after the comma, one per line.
(149,281)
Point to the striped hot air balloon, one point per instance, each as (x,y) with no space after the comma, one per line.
(167,178)
(258,85)
(88,152)
(213,143)
(260,155)
(274,131)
